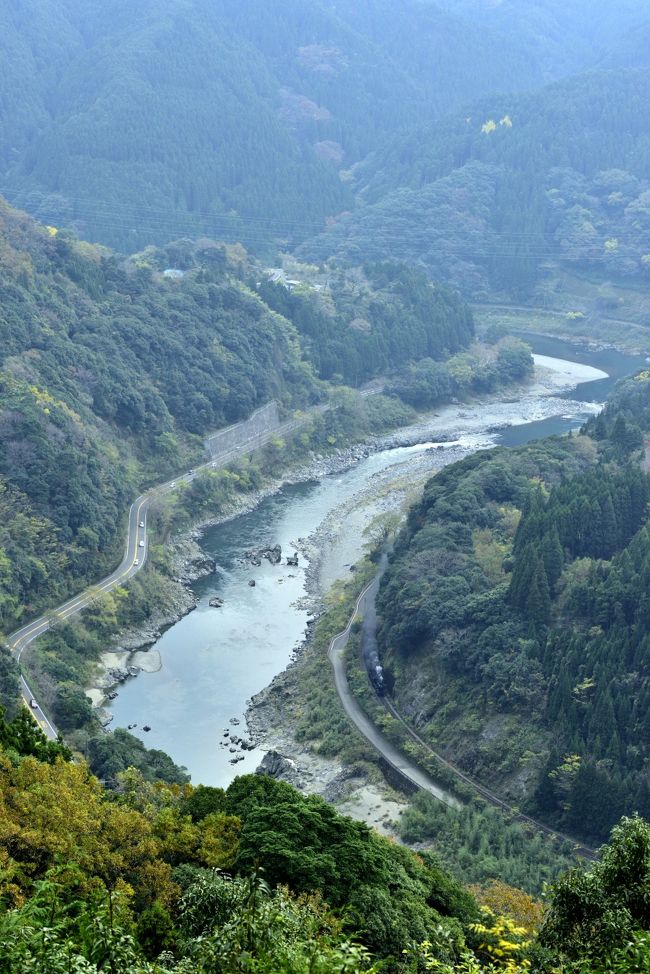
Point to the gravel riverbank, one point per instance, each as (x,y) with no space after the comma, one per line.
(329,553)
(451,433)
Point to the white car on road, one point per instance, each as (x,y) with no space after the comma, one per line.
(140,544)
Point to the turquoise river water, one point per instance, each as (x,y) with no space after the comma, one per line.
(214,660)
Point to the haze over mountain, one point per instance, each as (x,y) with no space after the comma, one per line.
(394,160)
(140,123)
(488,197)
(562,37)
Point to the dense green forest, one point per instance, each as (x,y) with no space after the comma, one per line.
(134,127)
(110,373)
(171,879)
(515,625)
(155,855)
(502,194)
(368,320)
(565,36)
(631,51)
(140,124)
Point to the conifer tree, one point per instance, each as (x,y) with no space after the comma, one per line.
(538,601)
(553,557)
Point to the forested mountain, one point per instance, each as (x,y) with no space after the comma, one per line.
(103,368)
(630,51)
(504,192)
(515,625)
(110,372)
(162,879)
(564,37)
(140,123)
(370,321)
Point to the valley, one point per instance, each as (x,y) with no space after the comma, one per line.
(237,649)
(352,297)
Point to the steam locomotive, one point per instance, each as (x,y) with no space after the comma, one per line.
(376,674)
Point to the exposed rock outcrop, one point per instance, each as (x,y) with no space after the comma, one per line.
(272,555)
(277,766)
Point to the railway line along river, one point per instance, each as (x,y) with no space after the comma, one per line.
(215,659)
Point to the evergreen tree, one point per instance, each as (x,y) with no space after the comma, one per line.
(538,600)
(552,556)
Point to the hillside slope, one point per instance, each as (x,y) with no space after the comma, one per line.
(502,193)
(142,123)
(565,37)
(106,373)
(515,621)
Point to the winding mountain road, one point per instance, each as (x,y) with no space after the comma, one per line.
(397,760)
(135,554)
(134,558)
(365,606)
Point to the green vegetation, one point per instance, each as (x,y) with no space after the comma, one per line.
(135,123)
(568,34)
(476,842)
(589,326)
(501,198)
(125,876)
(480,370)
(513,619)
(171,879)
(109,375)
(372,322)
(321,720)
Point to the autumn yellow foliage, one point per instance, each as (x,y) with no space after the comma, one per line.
(53,813)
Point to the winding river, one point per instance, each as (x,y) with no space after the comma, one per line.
(215,660)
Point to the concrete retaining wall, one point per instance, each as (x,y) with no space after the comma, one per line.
(251,432)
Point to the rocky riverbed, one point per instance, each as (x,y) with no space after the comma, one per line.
(272,716)
(330,553)
(188,563)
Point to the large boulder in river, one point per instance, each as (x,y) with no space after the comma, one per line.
(277,766)
(274,554)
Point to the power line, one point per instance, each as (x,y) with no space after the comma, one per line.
(158,218)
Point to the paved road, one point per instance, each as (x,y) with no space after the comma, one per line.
(137,546)
(395,758)
(134,559)
(365,606)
